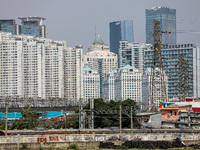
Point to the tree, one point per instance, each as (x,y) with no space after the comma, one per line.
(106,114)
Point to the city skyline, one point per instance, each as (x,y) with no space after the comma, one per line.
(75,21)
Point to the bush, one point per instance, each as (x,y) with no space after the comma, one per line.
(73,146)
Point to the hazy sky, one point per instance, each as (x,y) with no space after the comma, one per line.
(74,20)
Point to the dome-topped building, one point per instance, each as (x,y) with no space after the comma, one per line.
(99,57)
(98,44)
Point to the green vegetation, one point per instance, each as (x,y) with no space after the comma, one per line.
(27,121)
(110,113)
(73,146)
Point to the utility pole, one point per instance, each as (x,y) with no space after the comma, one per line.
(131,120)
(80,115)
(157,78)
(120,118)
(183,85)
(92,112)
(6,127)
(189,118)
(180,123)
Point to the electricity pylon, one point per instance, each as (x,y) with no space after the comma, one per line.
(183,86)
(157,88)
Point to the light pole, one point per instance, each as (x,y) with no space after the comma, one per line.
(65,123)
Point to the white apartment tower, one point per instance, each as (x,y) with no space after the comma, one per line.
(91,84)
(108,86)
(99,58)
(73,73)
(133,54)
(31,66)
(128,84)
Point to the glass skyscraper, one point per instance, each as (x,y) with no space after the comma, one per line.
(8,26)
(170,56)
(167,18)
(32,26)
(120,31)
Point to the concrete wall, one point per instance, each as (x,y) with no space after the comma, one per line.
(97,137)
(91,141)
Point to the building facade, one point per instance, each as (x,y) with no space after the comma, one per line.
(73,88)
(133,54)
(170,56)
(32,26)
(119,31)
(128,84)
(99,58)
(108,86)
(157,93)
(91,84)
(167,18)
(8,25)
(31,67)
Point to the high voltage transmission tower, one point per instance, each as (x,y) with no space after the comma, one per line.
(183,85)
(157,88)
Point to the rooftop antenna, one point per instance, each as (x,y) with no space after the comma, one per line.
(95,32)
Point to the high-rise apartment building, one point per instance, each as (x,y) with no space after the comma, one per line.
(108,86)
(32,26)
(170,56)
(91,84)
(167,18)
(128,84)
(73,73)
(99,58)
(31,66)
(133,54)
(119,31)
(8,25)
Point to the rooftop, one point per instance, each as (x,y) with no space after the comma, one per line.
(31,18)
(98,40)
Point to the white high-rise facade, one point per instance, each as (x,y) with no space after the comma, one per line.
(157,93)
(91,84)
(99,58)
(108,86)
(132,54)
(73,73)
(128,84)
(31,67)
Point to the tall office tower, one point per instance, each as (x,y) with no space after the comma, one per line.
(108,86)
(99,58)
(132,54)
(31,67)
(145,89)
(170,56)
(91,84)
(32,26)
(128,84)
(167,18)
(73,73)
(119,31)
(9,26)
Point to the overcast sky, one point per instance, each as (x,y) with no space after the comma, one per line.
(74,20)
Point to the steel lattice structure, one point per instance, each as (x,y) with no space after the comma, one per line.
(157,88)
(183,86)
